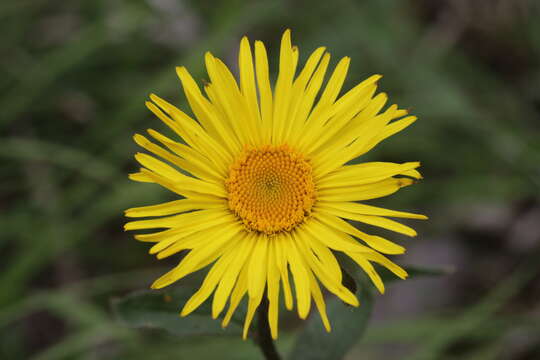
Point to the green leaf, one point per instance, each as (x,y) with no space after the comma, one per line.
(161,309)
(348,325)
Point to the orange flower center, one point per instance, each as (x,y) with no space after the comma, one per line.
(271,188)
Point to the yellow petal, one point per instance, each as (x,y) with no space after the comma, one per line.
(192,237)
(258,267)
(306,105)
(238,293)
(364,192)
(380,222)
(194,134)
(197,259)
(174,186)
(247,85)
(301,277)
(332,283)
(319,302)
(194,157)
(326,257)
(382,260)
(206,173)
(174,207)
(282,93)
(365,143)
(333,87)
(253,304)
(231,274)
(175,220)
(298,91)
(369,270)
(339,120)
(179,179)
(281,261)
(364,209)
(210,282)
(141,177)
(239,106)
(265,91)
(273,289)
(223,95)
(376,242)
(391,129)
(364,173)
(329,236)
(206,112)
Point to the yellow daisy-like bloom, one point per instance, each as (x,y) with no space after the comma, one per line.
(265,186)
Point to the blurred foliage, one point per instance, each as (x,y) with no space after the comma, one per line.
(74,77)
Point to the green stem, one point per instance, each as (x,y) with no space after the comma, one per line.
(264,338)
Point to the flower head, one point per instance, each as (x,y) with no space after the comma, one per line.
(265,188)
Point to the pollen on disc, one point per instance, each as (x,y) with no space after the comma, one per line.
(271,188)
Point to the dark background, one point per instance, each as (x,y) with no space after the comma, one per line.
(74,76)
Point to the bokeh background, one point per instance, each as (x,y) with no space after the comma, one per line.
(74,76)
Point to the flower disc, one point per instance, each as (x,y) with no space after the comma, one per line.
(271,188)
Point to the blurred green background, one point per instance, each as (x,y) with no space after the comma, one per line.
(74,76)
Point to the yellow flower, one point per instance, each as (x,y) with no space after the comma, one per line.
(264,183)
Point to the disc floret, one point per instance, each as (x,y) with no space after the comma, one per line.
(271,188)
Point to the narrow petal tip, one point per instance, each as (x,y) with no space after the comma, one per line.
(286,34)
(328,328)
(208,56)
(128,213)
(154,98)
